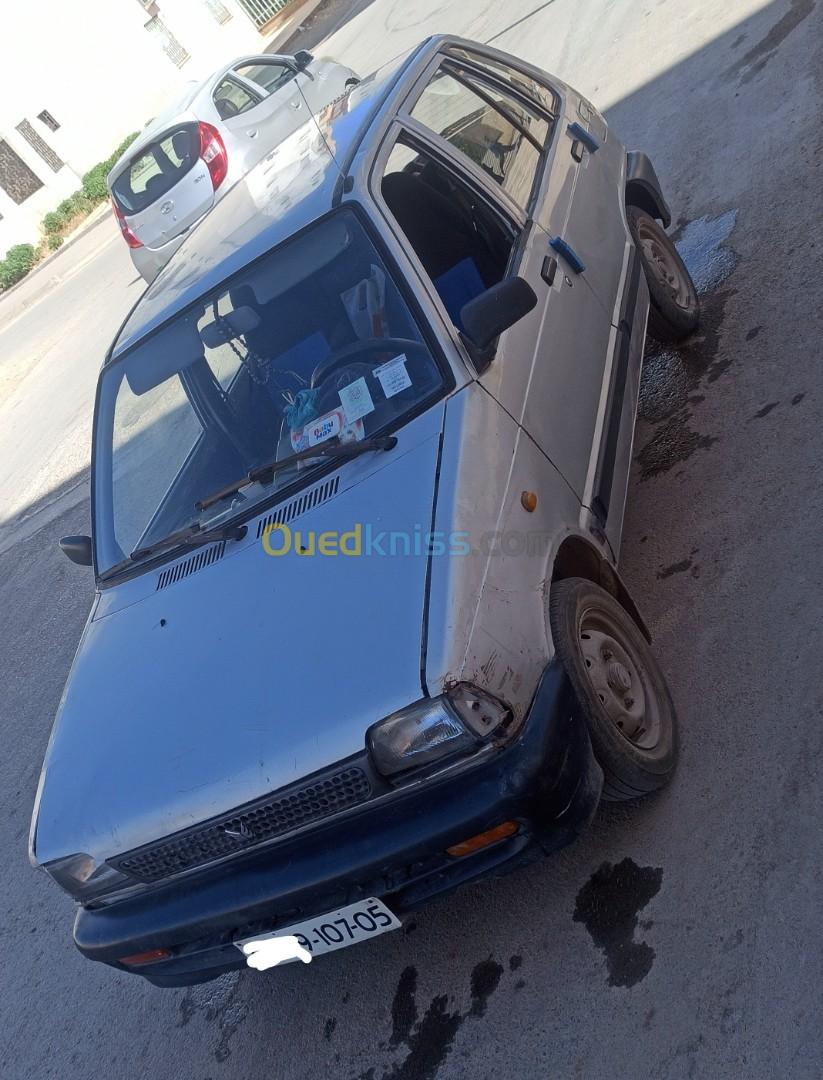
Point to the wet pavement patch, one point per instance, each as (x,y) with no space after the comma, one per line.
(675,568)
(765,410)
(515,962)
(404,1009)
(329,1026)
(608,906)
(760,54)
(485,979)
(797,399)
(429,1040)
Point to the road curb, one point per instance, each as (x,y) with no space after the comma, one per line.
(78,234)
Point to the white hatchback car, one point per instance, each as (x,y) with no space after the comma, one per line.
(189,156)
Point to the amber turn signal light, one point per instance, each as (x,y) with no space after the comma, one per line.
(483,839)
(150,957)
(528,500)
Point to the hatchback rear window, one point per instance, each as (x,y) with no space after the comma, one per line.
(156,169)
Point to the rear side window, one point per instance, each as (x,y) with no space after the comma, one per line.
(518,81)
(269,77)
(231,99)
(156,169)
(493,129)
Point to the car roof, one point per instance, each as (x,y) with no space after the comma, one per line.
(290,188)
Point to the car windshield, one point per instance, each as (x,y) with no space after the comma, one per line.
(313,342)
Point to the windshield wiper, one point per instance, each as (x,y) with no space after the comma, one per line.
(191,536)
(264,474)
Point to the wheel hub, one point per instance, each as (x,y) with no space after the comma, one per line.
(617,680)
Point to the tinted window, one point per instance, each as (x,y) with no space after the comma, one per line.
(231,99)
(156,169)
(493,136)
(269,77)
(254,371)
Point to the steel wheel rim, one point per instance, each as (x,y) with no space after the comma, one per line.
(619,679)
(663,264)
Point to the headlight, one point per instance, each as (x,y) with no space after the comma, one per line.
(434,728)
(84,879)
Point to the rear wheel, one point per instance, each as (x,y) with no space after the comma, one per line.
(622,692)
(675,308)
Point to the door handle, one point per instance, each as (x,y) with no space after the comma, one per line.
(549,269)
(253,133)
(295,103)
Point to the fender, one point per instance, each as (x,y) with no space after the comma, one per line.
(643,188)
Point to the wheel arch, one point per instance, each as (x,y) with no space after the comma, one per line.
(577,557)
(643,189)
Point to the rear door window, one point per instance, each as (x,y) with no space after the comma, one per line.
(269,76)
(230,99)
(156,169)
(518,81)
(493,129)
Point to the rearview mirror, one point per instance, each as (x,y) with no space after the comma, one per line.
(302,59)
(488,315)
(78,549)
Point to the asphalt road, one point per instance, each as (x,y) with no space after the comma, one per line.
(679,937)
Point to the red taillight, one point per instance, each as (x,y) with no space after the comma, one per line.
(213,152)
(128,235)
(150,957)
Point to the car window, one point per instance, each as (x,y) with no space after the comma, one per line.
(518,81)
(231,99)
(268,76)
(463,245)
(492,128)
(256,371)
(156,169)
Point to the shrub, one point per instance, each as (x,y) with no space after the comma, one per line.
(53,222)
(94,183)
(17,263)
(55,240)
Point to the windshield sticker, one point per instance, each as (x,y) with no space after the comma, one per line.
(393,376)
(356,400)
(326,427)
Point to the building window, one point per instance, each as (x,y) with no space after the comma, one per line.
(40,145)
(219,11)
(171,46)
(16,178)
(46,118)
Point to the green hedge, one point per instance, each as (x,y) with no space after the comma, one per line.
(17,263)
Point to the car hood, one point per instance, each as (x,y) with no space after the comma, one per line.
(243,677)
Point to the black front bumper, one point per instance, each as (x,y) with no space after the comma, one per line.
(547,780)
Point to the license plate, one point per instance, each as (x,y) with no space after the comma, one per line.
(346,926)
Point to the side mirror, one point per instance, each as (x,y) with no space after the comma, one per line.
(302,59)
(78,549)
(488,315)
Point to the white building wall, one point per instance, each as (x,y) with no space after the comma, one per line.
(101,75)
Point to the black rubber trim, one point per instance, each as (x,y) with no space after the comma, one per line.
(643,187)
(604,473)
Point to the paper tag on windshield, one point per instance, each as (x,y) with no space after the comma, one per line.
(356,400)
(393,376)
(326,427)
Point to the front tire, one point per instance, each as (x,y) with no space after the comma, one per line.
(622,693)
(674,310)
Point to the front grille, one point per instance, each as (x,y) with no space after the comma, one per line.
(242,829)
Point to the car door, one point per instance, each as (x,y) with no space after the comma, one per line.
(548,368)
(279,110)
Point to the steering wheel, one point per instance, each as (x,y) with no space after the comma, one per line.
(341,357)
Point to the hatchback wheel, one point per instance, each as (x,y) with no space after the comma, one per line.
(675,308)
(622,693)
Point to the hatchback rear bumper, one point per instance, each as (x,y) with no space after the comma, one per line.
(547,781)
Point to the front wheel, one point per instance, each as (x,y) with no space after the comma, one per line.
(620,688)
(674,310)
